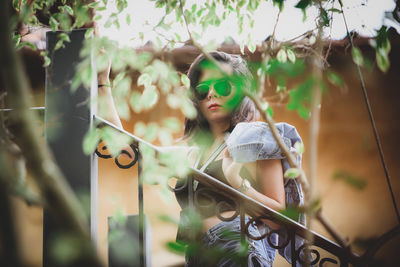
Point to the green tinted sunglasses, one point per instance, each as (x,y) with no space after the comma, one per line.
(221,86)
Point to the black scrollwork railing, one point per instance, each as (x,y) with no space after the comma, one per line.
(294,231)
(101,152)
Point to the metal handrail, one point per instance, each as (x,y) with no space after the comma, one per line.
(254,209)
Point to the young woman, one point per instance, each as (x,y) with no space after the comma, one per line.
(241,152)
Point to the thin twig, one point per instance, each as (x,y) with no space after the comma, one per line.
(265,56)
(297,37)
(372,120)
(335,234)
(289,156)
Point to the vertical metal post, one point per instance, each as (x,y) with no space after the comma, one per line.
(141,215)
(191,234)
(67,119)
(292,243)
(242,215)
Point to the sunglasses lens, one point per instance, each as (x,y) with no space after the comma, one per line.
(202,90)
(223,88)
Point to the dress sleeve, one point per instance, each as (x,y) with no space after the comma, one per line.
(252,141)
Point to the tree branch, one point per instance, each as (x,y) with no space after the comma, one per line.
(62,204)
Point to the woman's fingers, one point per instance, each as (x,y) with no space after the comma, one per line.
(231,170)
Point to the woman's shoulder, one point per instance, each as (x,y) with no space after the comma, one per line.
(251,141)
(256,131)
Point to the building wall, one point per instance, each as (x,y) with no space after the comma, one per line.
(346,143)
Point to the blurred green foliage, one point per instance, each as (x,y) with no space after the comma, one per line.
(158,79)
(350,179)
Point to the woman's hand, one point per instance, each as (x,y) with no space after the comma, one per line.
(231,170)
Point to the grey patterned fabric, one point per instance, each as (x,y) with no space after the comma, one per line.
(251,141)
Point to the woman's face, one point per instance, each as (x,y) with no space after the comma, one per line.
(212,106)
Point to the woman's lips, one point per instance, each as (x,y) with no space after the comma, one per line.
(213,106)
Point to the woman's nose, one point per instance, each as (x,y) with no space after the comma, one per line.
(211,93)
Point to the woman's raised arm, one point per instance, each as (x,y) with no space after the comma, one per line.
(106,104)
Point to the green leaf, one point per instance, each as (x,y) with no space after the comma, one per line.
(91,140)
(69,10)
(53,24)
(114,140)
(64,37)
(280,88)
(300,98)
(144,79)
(102,63)
(165,137)
(151,132)
(47,61)
(299,146)
(185,81)
(382,60)
(177,247)
(97,17)
(357,56)
(312,40)
(89,33)
(382,39)
(119,217)
(140,129)
(279,3)
(17,39)
(291,55)
(172,123)
(93,4)
(282,56)
(188,109)
(353,181)
(128,19)
(26,12)
(173,101)
(82,15)
(168,218)
(252,47)
(121,5)
(76,82)
(135,102)
(291,212)
(59,44)
(26,44)
(334,78)
(117,78)
(123,87)
(264,105)
(292,173)
(335,10)
(324,18)
(123,109)
(65,248)
(149,97)
(270,111)
(15,4)
(303,4)
(87,76)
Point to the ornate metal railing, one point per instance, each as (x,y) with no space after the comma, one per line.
(246,206)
